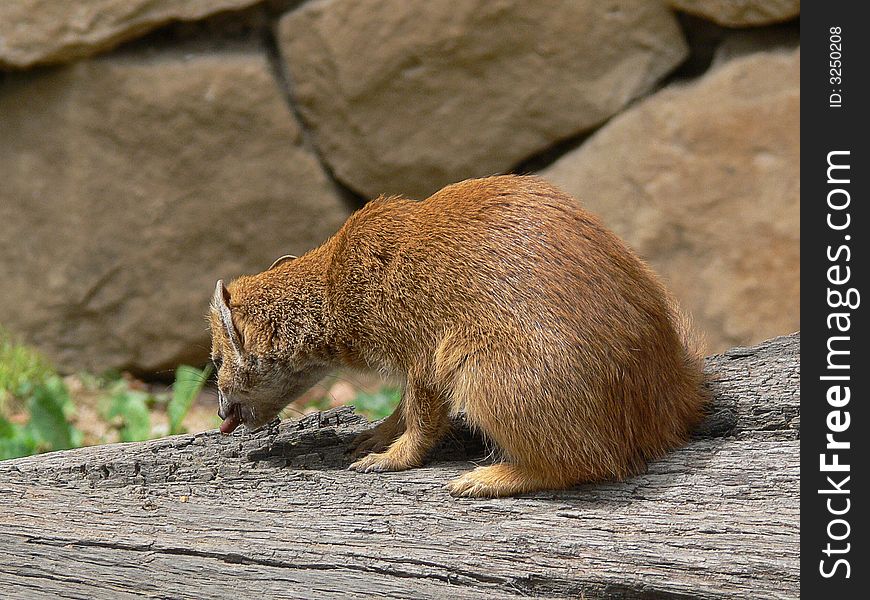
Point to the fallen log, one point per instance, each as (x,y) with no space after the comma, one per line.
(276,514)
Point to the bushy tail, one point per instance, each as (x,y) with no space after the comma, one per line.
(693,340)
(696,397)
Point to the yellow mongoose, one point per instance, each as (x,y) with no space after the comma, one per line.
(498,297)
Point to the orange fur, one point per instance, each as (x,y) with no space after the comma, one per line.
(498,297)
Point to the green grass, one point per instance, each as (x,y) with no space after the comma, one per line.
(37,408)
(28,382)
(20,366)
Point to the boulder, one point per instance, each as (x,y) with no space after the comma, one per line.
(407,96)
(703,179)
(131,183)
(740,13)
(52,31)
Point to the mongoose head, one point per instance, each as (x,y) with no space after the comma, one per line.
(260,370)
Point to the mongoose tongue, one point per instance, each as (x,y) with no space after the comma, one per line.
(231,422)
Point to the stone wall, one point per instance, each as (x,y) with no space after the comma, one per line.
(148,148)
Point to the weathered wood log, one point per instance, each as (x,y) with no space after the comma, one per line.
(276,514)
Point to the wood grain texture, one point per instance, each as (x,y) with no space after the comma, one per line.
(276,514)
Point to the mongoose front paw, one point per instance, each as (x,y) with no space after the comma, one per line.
(381,462)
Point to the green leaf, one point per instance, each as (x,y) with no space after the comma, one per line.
(7,429)
(16,448)
(15,440)
(130,407)
(378,405)
(188,384)
(47,428)
(47,419)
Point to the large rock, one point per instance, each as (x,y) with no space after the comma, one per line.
(50,31)
(130,185)
(741,13)
(704,181)
(407,96)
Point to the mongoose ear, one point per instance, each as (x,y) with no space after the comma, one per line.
(221,302)
(282,260)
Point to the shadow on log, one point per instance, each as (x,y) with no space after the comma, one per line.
(275,514)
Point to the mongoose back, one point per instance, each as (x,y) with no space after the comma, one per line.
(499,297)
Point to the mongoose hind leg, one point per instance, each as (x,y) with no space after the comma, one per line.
(540,433)
(377,439)
(425,418)
(502,479)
